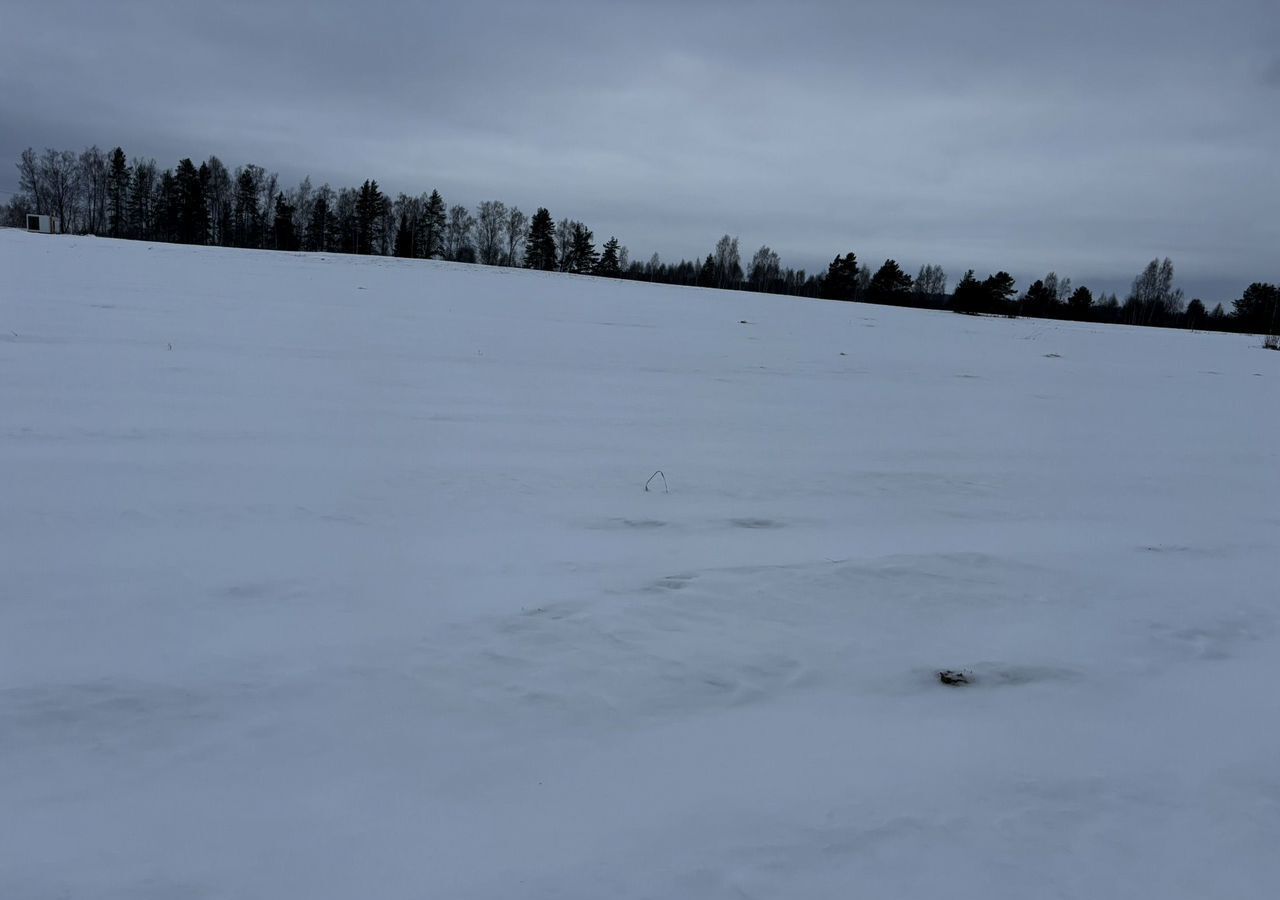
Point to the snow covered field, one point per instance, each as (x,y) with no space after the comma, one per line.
(330,578)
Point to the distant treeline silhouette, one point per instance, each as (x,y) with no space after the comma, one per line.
(105,194)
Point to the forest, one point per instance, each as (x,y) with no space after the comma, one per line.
(107,194)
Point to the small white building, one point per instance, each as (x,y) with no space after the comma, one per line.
(44,224)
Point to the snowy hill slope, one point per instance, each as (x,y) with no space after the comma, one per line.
(330,577)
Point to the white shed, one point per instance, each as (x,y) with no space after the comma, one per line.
(44,224)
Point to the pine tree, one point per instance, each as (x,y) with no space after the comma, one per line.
(1258,309)
(1040,300)
(841,282)
(1000,289)
(540,247)
(889,283)
(1080,303)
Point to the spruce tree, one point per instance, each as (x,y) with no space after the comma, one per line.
(190,214)
(168,205)
(432,228)
(969,297)
(540,248)
(582,252)
(707,274)
(370,205)
(320,228)
(608,266)
(118,179)
(244,217)
(286,235)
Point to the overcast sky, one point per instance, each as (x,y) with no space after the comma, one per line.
(1085,137)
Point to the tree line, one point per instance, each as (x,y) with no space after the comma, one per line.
(106,194)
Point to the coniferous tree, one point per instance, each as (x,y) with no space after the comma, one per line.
(540,246)
(707,274)
(609,266)
(1195,314)
(969,297)
(841,282)
(370,206)
(1258,309)
(433,227)
(168,207)
(286,235)
(890,284)
(1040,300)
(119,177)
(320,228)
(407,225)
(1000,289)
(582,249)
(1080,304)
(190,214)
(245,218)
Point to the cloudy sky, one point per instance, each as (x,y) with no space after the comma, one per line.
(1085,137)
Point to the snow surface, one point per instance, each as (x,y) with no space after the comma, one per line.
(355,591)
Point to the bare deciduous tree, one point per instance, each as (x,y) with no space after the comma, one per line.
(457,234)
(490,229)
(517,223)
(1153,296)
(93,189)
(931,280)
(728,264)
(765,269)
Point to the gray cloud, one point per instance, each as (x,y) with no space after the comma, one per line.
(1085,137)
(1271,75)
